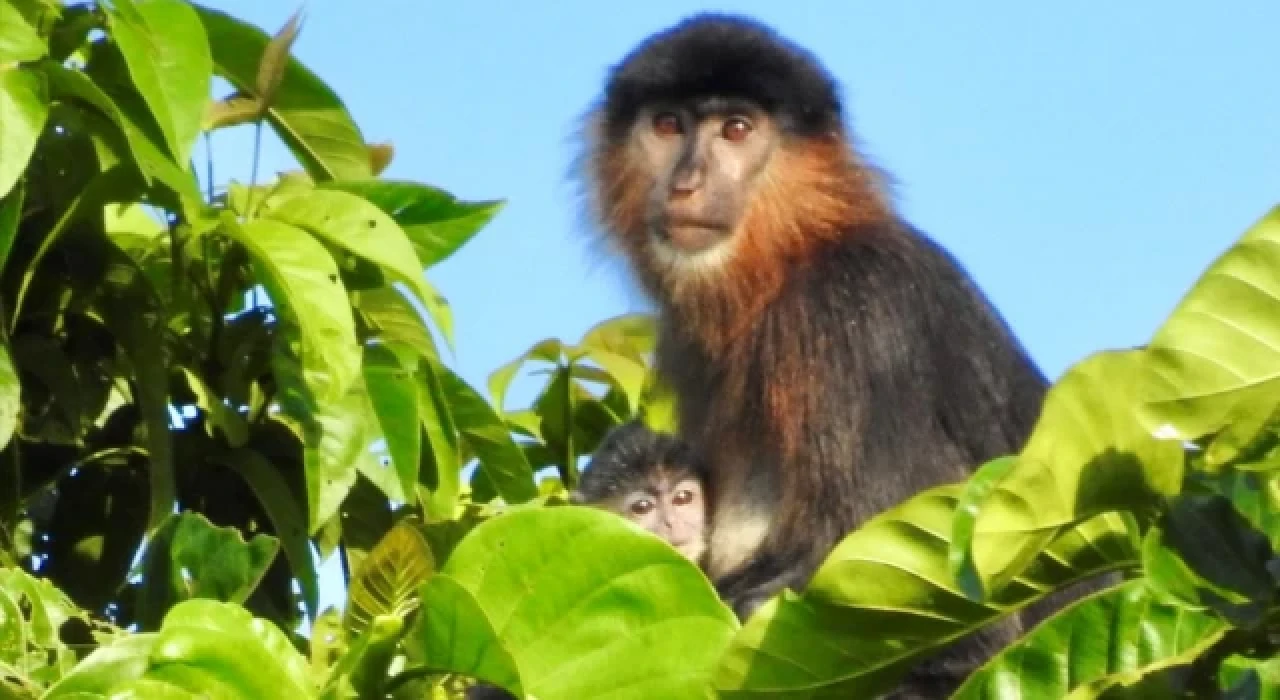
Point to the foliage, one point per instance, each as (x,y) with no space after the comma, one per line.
(205,389)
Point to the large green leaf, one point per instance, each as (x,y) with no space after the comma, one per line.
(24,107)
(1216,359)
(393,393)
(487,435)
(353,224)
(168,55)
(306,290)
(307,115)
(515,606)
(1115,637)
(288,519)
(885,596)
(205,647)
(19,41)
(437,222)
(1088,454)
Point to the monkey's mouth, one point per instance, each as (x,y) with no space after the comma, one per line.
(693,235)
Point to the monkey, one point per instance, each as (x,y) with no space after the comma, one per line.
(653,479)
(829,359)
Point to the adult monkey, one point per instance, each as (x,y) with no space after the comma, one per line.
(829,359)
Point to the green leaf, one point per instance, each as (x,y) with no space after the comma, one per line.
(10,217)
(625,373)
(1256,497)
(1115,637)
(189,557)
(362,671)
(352,224)
(548,351)
(633,336)
(514,606)
(393,393)
(10,397)
(109,666)
(1204,553)
(168,55)
(250,655)
(1216,358)
(308,116)
(443,478)
(1088,454)
(332,456)
(19,41)
(121,133)
(24,107)
(389,578)
(393,319)
(316,326)
(437,222)
(885,597)
(287,519)
(486,434)
(1244,678)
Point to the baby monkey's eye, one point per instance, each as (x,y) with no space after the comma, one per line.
(666,124)
(683,497)
(642,506)
(736,128)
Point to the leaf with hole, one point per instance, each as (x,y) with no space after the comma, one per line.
(437,222)
(352,224)
(317,334)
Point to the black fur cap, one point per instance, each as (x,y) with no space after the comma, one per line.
(626,457)
(718,55)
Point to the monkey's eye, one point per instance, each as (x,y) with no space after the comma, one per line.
(642,506)
(735,128)
(683,497)
(666,124)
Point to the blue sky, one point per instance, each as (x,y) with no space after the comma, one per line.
(1085,161)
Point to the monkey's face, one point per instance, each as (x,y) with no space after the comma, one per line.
(702,160)
(672,507)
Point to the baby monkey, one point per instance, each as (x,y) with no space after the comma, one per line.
(653,479)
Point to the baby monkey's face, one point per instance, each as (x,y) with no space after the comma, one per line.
(671,505)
